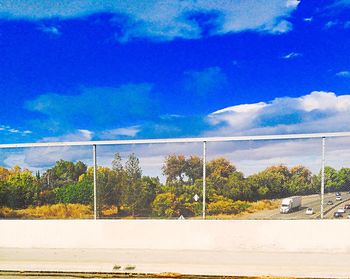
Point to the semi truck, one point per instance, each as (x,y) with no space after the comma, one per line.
(290,204)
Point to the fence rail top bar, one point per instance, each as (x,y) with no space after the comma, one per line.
(177,140)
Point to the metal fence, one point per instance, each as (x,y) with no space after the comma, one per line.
(203,140)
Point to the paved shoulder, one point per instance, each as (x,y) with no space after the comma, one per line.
(239,263)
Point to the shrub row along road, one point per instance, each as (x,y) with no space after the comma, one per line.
(312,201)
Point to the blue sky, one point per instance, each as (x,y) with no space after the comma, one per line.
(89,69)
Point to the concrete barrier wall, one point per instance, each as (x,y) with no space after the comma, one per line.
(274,235)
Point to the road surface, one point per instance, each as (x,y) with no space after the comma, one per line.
(312,201)
(238,263)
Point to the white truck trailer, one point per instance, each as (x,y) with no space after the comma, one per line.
(290,204)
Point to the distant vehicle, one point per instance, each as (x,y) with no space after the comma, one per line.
(337,194)
(309,211)
(290,204)
(347,206)
(329,202)
(337,215)
(341,210)
(338,198)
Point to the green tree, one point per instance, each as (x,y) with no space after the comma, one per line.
(220,167)
(174,168)
(344,179)
(193,168)
(23,188)
(5,192)
(270,183)
(109,186)
(4,173)
(4,187)
(331,180)
(79,169)
(219,171)
(150,187)
(131,197)
(300,181)
(79,192)
(164,205)
(117,164)
(64,172)
(237,187)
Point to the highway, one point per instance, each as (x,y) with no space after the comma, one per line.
(312,201)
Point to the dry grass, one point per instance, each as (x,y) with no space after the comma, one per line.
(55,211)
(253,207)
(110,212)
(6,212)
(263,205)
(80,211)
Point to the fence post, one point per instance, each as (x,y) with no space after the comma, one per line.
(204,175)
(323,175)
(95,180)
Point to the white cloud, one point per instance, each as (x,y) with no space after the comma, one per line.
(45,157)
(10,130)
(249,157)
(292,55)
(41,158)
(331,24)
(343,74)
(243,114)
(166,19)
(308,19)
(15,159)
(325,101)
(282,27)
(78,135)
(51,30)
(131,131)
(316,112)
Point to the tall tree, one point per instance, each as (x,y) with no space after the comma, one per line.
(174,168)
(132,197)
(117,164)
(193,168)
(344,179)
(300,181)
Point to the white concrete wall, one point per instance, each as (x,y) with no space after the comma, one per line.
(274,235)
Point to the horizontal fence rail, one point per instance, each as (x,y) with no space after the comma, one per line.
(177,140)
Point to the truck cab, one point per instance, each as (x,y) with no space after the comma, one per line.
(290,204)
(286,206)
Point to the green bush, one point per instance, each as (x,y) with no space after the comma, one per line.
(164,205)
(80,192)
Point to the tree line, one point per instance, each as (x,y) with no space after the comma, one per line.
(124,186)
